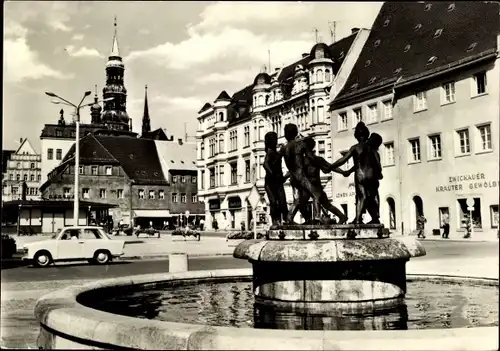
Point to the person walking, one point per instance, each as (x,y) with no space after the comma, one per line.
(421,226)
(468,227)
(446,227)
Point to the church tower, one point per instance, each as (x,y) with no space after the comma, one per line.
(114,115)
(146,122)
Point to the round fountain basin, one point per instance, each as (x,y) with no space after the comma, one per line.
(67,323)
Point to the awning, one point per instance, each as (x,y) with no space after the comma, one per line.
(152,213)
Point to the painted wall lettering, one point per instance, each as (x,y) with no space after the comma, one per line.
(461,182)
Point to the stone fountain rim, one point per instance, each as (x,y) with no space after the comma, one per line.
(60,314)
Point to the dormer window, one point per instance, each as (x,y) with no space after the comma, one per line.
(407,47)
(428,7)
(221,117)
(368,63)
(386,22)
(438,33)
(376,43)
(341,55)
(471,46)
(372,80)
(431,60)
(418,26)
(451,7)
(398,70)
(354,86)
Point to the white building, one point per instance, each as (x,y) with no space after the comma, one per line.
(230,136)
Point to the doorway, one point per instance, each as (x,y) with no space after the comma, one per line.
(391,205)
(418,209)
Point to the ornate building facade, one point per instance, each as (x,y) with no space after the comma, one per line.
(230,136)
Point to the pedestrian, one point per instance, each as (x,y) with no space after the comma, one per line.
(468,227)
(215,225)
(202,224)
(421,220)
(446,227)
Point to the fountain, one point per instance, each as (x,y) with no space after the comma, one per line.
(311,286)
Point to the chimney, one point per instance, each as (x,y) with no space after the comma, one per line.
(180,141)
(354,30)
(277,69)
(20,140)
(304,55)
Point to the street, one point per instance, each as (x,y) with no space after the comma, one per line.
(64,271)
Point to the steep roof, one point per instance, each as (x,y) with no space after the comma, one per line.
(91,151)
(66,131)
(205,107)
(239,109)
(157,134)
(223,96)
(406,35)
(138,158)
(175,156)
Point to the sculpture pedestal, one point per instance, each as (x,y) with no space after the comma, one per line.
(318,276)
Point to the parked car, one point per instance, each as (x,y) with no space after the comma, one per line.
(73,244)
(8,246)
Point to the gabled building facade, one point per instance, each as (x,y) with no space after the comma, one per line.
(432,92)
(131,173)
(230,136)
(22,176)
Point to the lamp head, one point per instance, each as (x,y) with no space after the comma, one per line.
(88,92)
(50,94)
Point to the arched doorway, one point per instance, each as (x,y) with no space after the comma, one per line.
(391,207)
(418,210)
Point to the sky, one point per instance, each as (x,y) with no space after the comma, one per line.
(185,52)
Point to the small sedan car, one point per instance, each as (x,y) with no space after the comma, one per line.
(74,244)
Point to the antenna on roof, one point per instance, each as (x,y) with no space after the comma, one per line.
(316,31)
(333,31)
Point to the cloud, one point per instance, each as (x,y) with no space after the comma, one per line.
(77,37)
(59,25)
(82,52)
(235,76)
(178,102)
(144,31)
(218,14)
(230,43)
(20,61)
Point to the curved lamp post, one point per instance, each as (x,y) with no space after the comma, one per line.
(77,145)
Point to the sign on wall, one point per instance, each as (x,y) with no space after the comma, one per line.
(472,181)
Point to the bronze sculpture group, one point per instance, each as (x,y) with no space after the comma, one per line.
(304,169)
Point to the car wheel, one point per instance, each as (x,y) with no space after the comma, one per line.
(42,259)
(102,257)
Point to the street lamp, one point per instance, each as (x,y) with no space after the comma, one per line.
(77,144)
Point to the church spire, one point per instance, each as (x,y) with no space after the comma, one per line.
(146,122)
(115,50)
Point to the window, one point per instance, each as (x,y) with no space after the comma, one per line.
(389,154)
(109,171)
(32,165)
(102,193)
(211,146)
(174,179)
(448,93)
(233,140)
(25,177)
(11,176)
(261,131)
(59,133)
(14,190)
(420,102)
(247,171)
(479,86)
(89,234)
(463,146)
(202,180)
(18,177)
(435,147)
(342,122)
(202,150)
(19,165)
(183,198)
(319,76)
(358,116)
(183,179)
(234,173)
(50,154)
(494,216)
(221,143)
(94,170)
(372,113)
(141,193)
(32,177)
(221,175)
(193,179)
(194,198)
(261,168)
(328,77)
(161,194)
(484,137)
(39,177)
(174,197)
(464,215)
(247,135)
(212,177)
(119,194)
(414,150)
(348,164)
(66,193)
(86,193)
(151,194)
(321,148)
(321,111)
(58,154)
(80,170)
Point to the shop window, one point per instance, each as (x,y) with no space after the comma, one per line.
(494,216)
(464,214)
(444,216)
